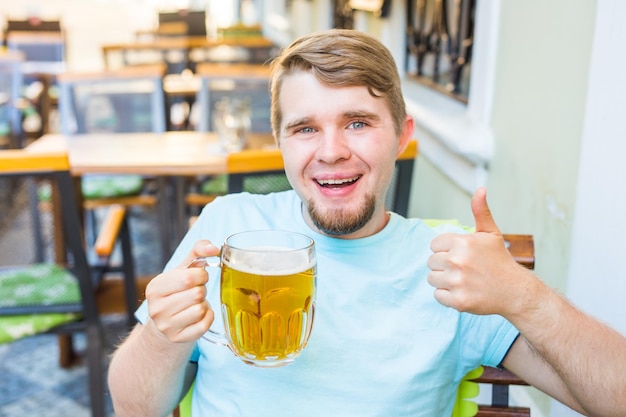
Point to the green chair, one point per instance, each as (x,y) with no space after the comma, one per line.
(59,295)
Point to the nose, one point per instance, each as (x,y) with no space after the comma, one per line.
(333,147)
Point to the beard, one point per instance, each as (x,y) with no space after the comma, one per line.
(341,222)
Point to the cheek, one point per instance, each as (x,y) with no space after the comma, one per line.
(295,159)
(294,166)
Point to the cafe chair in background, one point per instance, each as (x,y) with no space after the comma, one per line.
(44,48)
(235,81)
(128,100)
(182,22)
(33,24)
(232,82)
(38,46)
(122,101)
(60,294)
(11,83)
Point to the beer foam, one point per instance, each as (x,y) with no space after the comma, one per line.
(271,261)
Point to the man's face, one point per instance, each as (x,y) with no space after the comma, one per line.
(339,146)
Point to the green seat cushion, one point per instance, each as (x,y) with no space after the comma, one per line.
(106,186)
(254,184)
(39,284)
(217,184)
(265,184)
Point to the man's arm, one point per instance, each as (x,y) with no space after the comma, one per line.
(147,374)
(587,357)
(562,351)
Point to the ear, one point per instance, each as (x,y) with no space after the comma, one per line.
(408,127)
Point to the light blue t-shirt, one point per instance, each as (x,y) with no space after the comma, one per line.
(381,344)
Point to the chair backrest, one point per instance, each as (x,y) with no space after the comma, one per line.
(191,22)
(11,82)
(32,25)
(19,169)
(38,46)
(127,100)
(237,82)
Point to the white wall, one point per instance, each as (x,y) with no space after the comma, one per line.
(597,277)
(88,24)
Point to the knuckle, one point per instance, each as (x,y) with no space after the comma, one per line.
(198,293)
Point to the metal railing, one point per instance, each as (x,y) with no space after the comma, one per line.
(440,37)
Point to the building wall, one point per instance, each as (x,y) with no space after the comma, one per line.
(538,116)
(539,108)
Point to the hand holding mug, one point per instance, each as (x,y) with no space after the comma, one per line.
(177,298)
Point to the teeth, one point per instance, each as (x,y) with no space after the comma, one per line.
(337,182)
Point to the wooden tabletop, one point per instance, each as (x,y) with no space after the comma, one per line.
(170,153)
(187,42)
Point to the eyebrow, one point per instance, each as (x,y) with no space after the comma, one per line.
(357,114)
(361,114)
(298,122)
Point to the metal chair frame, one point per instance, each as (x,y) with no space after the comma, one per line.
(75,257)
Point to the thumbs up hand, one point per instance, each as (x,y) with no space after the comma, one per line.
(475,272)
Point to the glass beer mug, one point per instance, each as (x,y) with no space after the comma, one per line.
(231,121)
(267,295)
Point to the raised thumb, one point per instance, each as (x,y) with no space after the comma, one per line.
(482,215)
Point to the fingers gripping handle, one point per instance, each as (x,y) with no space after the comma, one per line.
(203,262)
(210,335)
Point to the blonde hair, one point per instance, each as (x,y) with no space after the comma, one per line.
(341,57)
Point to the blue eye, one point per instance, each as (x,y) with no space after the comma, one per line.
(357,125)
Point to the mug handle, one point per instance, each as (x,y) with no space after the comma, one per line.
(203,262)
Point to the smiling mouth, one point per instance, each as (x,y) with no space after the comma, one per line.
(334,183)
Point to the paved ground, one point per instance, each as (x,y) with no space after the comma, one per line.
(33,384)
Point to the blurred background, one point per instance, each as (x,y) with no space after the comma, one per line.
(524,97)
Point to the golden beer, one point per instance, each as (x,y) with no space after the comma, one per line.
(267,295)
(268,314)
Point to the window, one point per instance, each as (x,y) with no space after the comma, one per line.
(440,34)
(450,103)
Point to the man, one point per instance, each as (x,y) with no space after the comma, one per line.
(382,344)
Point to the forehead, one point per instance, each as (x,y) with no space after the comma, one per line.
(302,95)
